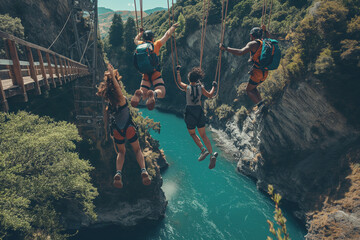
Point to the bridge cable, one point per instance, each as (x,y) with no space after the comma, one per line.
(61,30)
(86,46)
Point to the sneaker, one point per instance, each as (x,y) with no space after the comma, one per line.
(150,103)
(145,178)
(213,160)
(117,181)
(203,155)
(136,98)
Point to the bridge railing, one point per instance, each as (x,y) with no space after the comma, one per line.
(25,66)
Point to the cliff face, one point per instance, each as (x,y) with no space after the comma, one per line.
(300,143)
(43,20)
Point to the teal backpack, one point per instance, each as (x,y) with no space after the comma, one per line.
(145,60)
(270,54)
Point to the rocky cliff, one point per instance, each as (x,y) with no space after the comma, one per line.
(300,142)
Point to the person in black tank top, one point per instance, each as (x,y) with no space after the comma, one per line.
(117,115)
(194,114)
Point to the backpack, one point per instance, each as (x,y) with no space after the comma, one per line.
(145,60)
(270,54)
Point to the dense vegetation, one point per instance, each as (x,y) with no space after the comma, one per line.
(40,175)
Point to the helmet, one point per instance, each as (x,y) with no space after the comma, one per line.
(148,35)
(256,32)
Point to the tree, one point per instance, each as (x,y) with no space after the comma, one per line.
(40,175)
(116,37)
(129,35)
(131,76)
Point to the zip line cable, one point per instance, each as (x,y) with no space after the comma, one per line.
(61,30)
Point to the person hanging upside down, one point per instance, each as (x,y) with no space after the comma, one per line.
(121,125)
(257,75)
(194,114)
(152,76)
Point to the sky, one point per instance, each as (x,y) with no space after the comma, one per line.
(129,4)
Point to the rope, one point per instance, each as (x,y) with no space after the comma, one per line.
(203,30)
(270,15)
(223,25)
(172,50)
(136,16)
(87,42)
(141,13)
(173,17)
(61,30)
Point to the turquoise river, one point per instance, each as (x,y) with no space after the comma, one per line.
(204,204)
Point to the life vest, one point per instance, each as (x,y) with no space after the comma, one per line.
(145,59)
(268,55)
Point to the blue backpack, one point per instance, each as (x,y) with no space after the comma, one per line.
(270,54)
(145,60)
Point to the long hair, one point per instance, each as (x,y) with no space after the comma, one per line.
(106,88)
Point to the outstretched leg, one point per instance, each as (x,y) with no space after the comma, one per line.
(139,158)
(119,165)
(207,142)
(253,93)
(205,139)
(196,138)
(140,93)
(159,87)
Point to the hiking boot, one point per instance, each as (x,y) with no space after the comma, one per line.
(150,103)
(213,160)
(203,155)
(117,181)
(136,98)
(145,178)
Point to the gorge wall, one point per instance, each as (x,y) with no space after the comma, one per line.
(300,142)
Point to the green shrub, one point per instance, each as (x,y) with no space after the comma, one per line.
(224,112)
(281,232)
(40,173)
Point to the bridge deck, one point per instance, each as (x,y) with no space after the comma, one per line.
(11,90)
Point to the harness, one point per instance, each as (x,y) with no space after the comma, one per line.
(113,125)
(255,57)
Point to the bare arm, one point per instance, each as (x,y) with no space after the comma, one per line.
(182,85)
(137,38)
(168,33)
(251,46)
(208,94)
(121,97)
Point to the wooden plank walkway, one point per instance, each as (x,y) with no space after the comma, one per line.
(19,77)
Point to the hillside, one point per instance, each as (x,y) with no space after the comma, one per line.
(102,10)
(150,11)
(105,20)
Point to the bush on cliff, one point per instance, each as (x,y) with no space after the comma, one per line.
(40,174)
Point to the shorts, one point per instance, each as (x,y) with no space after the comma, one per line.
(152,76)
(194,117)
(257,76)
(129,133)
